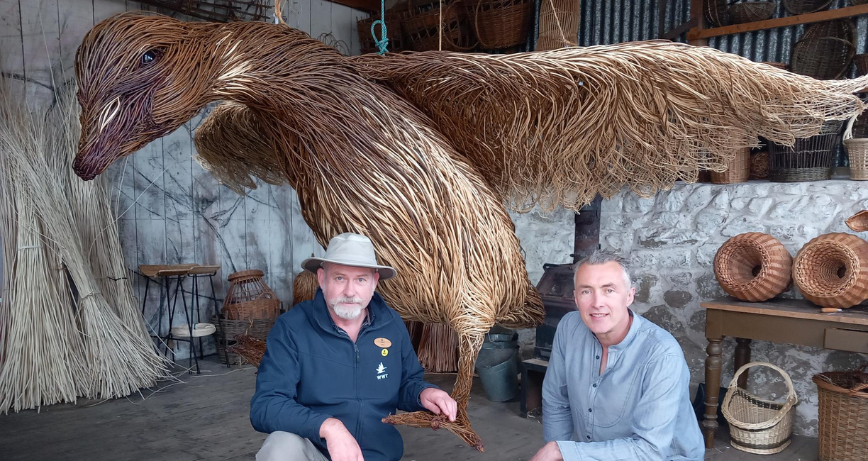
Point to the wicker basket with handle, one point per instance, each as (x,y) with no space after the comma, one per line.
(843,415)
(857,151)
(759,426)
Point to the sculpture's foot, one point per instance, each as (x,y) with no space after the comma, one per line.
(461,426)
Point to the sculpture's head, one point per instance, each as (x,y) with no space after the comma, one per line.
(140,77)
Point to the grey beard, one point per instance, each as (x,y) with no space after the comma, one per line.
(347,313)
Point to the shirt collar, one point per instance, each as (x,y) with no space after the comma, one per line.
(631,334)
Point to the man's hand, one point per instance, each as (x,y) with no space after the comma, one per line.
(439,402)
(342,446)
(549,452)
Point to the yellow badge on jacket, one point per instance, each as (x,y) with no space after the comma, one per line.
(383,342)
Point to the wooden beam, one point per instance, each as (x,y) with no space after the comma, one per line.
(684,27)
(846,12)
(697,14)
(371,6)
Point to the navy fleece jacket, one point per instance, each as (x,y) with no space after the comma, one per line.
(311,371)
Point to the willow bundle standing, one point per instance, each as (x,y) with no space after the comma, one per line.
(420,151)
(438,348)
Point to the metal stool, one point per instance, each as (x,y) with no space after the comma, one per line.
(195,273)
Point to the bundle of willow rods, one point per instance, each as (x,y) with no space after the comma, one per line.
(55,347)
(438,348)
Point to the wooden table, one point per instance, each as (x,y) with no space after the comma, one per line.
(779,321)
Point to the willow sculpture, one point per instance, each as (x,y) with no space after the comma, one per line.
(421,151)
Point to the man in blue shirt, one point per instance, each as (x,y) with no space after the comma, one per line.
(616,387)
(335,366)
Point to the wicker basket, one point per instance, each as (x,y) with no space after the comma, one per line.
(395,17)
(806,6)
(227,330)
(859,221)
(755,425)
(753,267)
(843,415)
(751,11)
(423,26)
(500,23)
(717,12)
(738,171)
(809,159)
(857,151)
(759,165)
(249,298)
(858,2)
(832,270)
(304,287)
(825,50)
(861,61)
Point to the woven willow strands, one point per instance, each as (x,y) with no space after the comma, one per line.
(558,24)
(116,358)
(438,348)
(419,151)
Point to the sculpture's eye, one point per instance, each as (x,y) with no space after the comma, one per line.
(148,57)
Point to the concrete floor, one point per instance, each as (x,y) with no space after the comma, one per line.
(205,417)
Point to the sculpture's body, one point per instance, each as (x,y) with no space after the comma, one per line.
(424,177)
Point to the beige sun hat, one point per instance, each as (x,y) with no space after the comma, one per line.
(350,249)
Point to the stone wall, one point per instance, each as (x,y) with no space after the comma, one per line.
(671,239)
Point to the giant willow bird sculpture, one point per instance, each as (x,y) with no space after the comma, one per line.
(422,151)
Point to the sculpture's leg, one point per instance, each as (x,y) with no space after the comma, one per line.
(468,350)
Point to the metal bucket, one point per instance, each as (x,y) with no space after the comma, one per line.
(498,372)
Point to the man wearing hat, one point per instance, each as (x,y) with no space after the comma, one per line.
(336,365)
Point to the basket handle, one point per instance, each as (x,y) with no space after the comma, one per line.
(792,399)
(848,133)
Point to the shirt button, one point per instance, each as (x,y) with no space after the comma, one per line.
(595,385)
(598,357)
(589,437)
(590,410)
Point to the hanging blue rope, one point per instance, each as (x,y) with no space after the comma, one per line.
(383,41)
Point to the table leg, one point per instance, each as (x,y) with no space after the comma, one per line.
(712,390)
(742,357)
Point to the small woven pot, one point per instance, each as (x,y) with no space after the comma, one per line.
(843,415)
(857,151)
(738,171)
(759,426)
(759,165)
(304,287)
(741,13)
(859,221)
(753,267)
(249,298)
(832,270)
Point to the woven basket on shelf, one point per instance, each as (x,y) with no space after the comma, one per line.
(858,2)
(227,330)
(424,24)
(810,159)
(843,415)
(753,267)
(717,12)
(249,298)
(755,425)
(395,17)
(859,221)
(751,11)
(806,6)
(857,151)
(738,171)
(832,270)
(825,50)
(500,23)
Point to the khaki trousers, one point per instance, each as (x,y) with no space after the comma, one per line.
(284,446)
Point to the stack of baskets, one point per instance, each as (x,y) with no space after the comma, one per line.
(843,415)
(250,308)
(755,425)
(395,17)
(810,159)
(426,22)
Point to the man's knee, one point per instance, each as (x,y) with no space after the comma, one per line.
(285,446)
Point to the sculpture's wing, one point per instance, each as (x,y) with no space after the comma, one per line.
(234,148)
(557,127)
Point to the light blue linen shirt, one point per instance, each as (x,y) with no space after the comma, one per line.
(638,409)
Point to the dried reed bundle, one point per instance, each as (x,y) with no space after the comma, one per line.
(438,348)
(118,360)
(423,168)
(304,287)
(558,24)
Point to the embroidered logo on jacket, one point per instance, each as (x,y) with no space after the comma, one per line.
(381,372)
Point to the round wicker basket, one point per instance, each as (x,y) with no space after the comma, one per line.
(806,6)
(249,298)
(857,151)
(843,415)
(832,270)
(755,425)
(753,267)
(751,11)
(500,23)
(859,221)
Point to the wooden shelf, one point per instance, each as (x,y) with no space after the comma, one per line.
(847,12)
